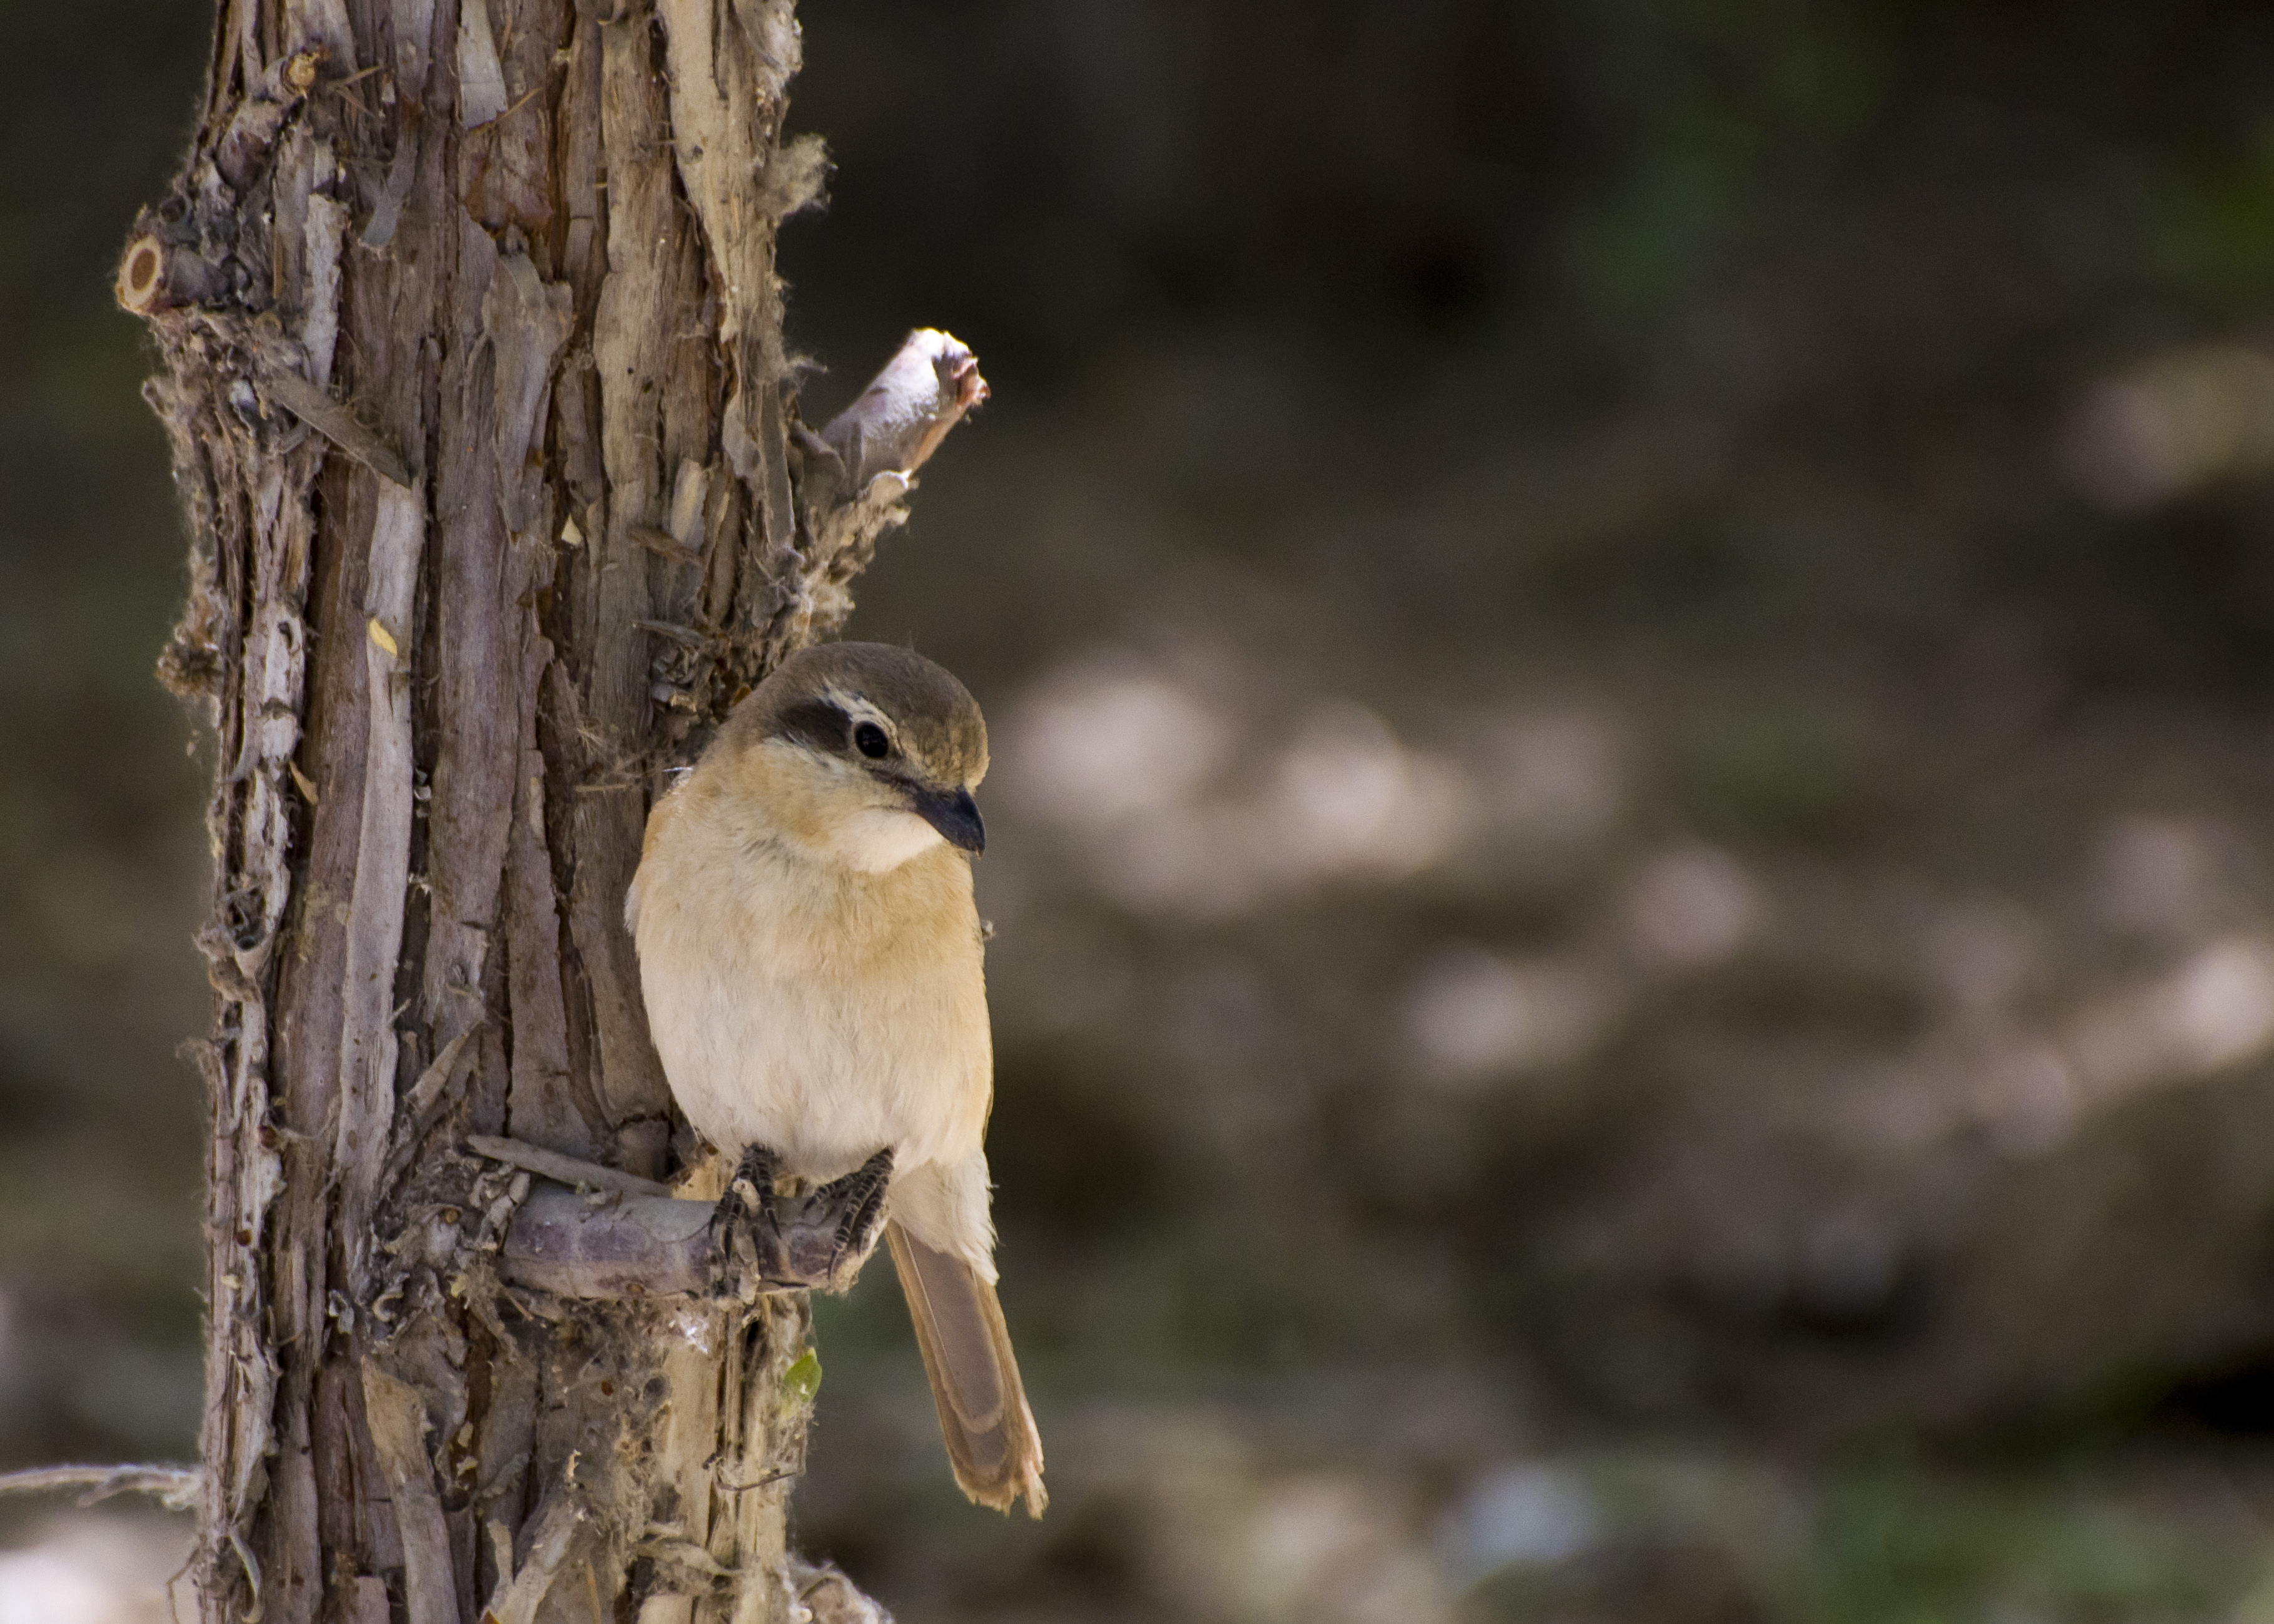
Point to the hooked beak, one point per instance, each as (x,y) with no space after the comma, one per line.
(954,814)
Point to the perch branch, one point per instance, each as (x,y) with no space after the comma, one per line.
(634,1240)
(637,1245)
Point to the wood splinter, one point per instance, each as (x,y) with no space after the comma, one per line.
(336,423)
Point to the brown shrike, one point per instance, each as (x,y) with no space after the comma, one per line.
(811,960)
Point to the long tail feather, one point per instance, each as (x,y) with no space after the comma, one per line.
(990,1432)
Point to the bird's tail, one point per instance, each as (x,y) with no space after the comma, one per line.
(990,1432)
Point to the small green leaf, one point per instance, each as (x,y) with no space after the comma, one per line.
(801,1381)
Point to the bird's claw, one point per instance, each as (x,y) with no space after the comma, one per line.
(828,1235)
(861,1193)
(751,1192)
(818,1239)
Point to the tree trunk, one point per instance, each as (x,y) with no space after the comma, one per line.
(471,362)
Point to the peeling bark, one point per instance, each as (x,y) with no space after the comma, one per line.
(471,361)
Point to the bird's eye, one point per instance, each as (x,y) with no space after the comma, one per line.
(873,741)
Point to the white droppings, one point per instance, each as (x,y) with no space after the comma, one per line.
(694,1328)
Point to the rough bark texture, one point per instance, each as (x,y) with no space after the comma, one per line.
(470,357)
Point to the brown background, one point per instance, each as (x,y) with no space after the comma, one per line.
(1629,655)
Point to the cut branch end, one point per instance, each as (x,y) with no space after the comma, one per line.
(142,275)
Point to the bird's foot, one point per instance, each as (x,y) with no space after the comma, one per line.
(861,1193)
(745,1220)
(815,1238)
(751,1192)
(826,1235)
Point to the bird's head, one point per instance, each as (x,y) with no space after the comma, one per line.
(862,754)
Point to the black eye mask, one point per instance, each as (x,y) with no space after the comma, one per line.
(819,724)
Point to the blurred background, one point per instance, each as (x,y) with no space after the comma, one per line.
(1631,650)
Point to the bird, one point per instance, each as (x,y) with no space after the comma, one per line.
(811,957)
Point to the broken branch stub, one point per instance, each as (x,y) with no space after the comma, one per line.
(854,477)
(154,275)
(615,1246)
(895,424)
(603,1245)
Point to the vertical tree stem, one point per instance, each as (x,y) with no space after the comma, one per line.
(459,306)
